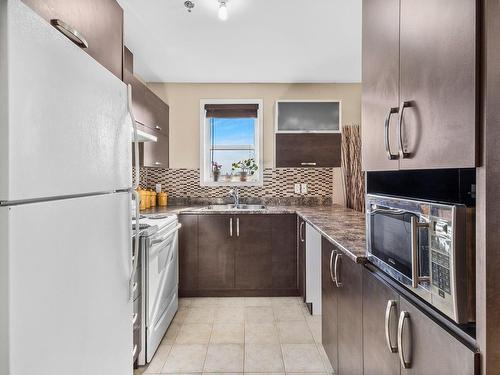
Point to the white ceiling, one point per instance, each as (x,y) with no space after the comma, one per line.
(262,41)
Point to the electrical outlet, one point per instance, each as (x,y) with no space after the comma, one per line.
(297,188)
(303,188)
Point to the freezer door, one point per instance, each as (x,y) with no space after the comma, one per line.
(64,127)
(67,308)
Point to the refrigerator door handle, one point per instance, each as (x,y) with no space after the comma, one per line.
(136,143)
(135,255)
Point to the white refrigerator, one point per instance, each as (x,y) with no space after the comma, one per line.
(65,192)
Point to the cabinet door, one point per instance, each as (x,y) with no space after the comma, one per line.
(302,257)
(156,154)
(350,318)
(380,82)
(429,349)
(284,252)
(159,113)
(100,22)
(216,242)
(188,254)
(253,260)
(438,80)
(377,358)
(308,150)
(329,305)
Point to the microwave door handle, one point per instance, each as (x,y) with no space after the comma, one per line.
(392,211)
(415,251)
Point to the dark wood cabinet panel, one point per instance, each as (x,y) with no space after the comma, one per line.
(329,305)
(438,79)
(429,349)
(377,358)
(159,113)
(216,252)
(350,314)
(308,150)
(188,253)
(284,251)
(128,62)
(99,21)
(301,244)
(380,82)
(254,252)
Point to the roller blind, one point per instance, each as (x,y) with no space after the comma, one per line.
(231,110)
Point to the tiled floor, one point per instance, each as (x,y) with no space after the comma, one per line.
(241,335)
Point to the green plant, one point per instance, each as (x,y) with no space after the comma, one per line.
(247,166)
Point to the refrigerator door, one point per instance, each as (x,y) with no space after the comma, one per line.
(64,126)
(65,300)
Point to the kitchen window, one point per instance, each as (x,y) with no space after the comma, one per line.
(231,142)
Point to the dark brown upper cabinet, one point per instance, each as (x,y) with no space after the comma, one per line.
(308,150)
(419,107)
(99,23)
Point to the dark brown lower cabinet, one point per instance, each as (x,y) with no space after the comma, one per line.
(342,307)
(238,255)
(378,299)
(429,349)
(216,252)
(329,305)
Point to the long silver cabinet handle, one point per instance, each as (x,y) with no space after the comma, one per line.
(331,266)
(230,227)
(237,227)
(415,258)
(387,124)
(405,315)
(402,153)
(70,32)
(338,282)
(391,305)
(301,234)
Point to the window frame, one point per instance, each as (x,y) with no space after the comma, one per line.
(205,139)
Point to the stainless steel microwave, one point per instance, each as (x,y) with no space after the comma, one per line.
(428,247)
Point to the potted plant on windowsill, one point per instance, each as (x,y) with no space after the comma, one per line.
(216,167)
(247,168)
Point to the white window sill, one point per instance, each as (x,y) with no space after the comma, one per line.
(229,184)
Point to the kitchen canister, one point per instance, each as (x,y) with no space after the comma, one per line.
(162,199)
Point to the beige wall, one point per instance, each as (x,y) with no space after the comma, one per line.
(184,102)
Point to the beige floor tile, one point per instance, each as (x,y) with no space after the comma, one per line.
(264,373)
(194,333)
(234,314)
(257,301)
(159,359)
(294,332)
(185,302)
(231,301)
(228,333)
(259,314)
(325,359)
(314,323)
(302,358)
(224,358)
(204,301)
(263,358)
(288,312)
(306,373)
(223,373)
(180,316)
(285,301)
(200,315)
(172,332)
(305,310)
(185,358)
(261,333)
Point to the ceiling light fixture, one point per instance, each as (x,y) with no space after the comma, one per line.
(189,5)
(222,10)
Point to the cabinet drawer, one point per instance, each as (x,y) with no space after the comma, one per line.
(100,22)
(308,150)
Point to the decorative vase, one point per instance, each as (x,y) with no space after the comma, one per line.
(243,176)
(216,176)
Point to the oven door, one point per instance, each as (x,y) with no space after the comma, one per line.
(398,242)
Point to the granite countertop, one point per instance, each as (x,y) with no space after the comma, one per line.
(342,226)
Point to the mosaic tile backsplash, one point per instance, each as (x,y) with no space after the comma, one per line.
(183,186)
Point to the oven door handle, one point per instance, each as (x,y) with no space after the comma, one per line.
(415,252)
(167,236)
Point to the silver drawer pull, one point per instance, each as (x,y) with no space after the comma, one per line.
(134,351)
(301,234)
(237,227)
(391,305)
(230,227)
(331,266)
(338,283)
(158,127)
(308,164)
(134,318)
(402,153)
(70,32)
(402,318)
